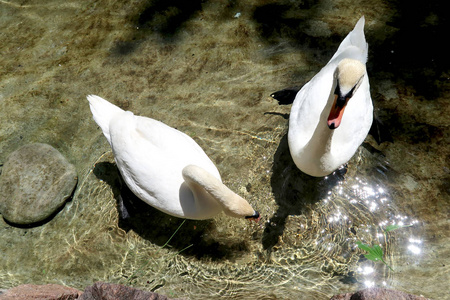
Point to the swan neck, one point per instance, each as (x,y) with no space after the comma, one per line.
(320,142)
(231,203)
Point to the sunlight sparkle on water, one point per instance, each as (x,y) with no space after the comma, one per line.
(369,191)
(337,216)
(373,197)
(383,223)
(413,247)
(366,270)
(369,283)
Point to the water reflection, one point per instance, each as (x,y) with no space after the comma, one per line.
(386,226)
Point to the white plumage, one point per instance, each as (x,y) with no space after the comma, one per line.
(332,114)
(164,167)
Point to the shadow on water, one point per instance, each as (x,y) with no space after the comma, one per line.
(288,21)
(164,17)
(157,227)
(414,52)
(294,191)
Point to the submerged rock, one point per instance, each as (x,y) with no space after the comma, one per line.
(109,291)
(98,291)
(36,181)
(377,293)
(47,291)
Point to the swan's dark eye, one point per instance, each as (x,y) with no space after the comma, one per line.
(352,92)
(337,90)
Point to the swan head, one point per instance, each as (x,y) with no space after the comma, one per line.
(349,75)
(244,210)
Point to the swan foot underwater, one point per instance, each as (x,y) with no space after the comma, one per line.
(332,114)
(166,168)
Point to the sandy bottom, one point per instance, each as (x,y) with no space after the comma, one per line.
(207,68)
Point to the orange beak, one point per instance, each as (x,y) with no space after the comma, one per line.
(336,112)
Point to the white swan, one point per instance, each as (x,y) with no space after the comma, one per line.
(332,113)
(164,167)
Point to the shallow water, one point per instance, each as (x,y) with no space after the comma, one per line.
(208,71)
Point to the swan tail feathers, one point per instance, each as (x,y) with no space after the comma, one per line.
(103,112)
(355,38)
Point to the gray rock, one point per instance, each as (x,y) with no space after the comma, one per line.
(377,294)
(109,291)
(47,291)
(35,182)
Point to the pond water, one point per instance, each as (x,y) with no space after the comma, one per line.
(207,68)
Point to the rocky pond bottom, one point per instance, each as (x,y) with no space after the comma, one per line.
(36,182)
(308,251)
(108,291)
(208,69)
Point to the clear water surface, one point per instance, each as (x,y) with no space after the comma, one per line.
(208,68)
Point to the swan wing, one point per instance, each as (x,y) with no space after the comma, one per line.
(151,156)
(170,140)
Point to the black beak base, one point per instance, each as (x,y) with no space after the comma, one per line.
(255,217)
